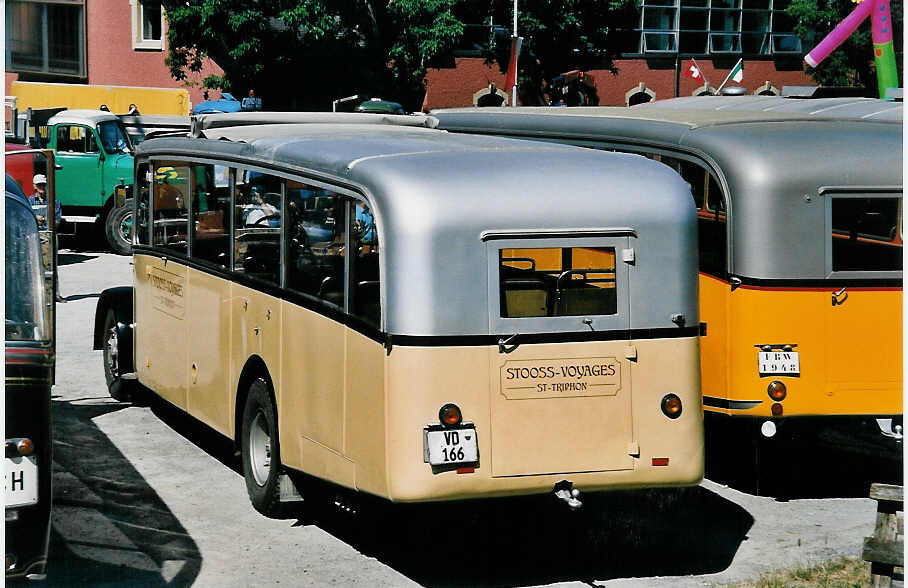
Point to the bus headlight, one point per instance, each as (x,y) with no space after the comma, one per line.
(671,406)
(777,390)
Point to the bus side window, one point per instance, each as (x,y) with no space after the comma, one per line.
(257,225)
(696,178)
(364,274)
(210,215)
(713,230)
(170,205)
(315,234)
(865,234)
(143,202)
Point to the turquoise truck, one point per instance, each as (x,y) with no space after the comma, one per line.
(94,169)
(94,157)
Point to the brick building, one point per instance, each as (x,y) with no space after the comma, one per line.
(99,42)
(122,43)
(667,34)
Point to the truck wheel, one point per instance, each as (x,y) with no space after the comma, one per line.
(119,389)
(261,451)
(118,229)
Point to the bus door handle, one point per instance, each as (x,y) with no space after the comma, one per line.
(839,298)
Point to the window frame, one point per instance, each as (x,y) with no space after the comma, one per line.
(618,239)
(831,194)
(45,57)
(139,42)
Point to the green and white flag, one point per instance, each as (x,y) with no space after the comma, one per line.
(736,74)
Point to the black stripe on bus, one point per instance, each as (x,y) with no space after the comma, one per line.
(714,402)
(831,282)
(522,338)
(389,339)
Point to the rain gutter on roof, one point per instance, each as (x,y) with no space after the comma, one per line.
(201,123)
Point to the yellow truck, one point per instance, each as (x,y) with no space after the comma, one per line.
(117,98)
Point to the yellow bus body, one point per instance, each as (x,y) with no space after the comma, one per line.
(352,413)
(830,339)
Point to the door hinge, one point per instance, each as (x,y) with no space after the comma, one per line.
(627,256)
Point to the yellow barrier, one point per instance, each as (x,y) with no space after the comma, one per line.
(117,98)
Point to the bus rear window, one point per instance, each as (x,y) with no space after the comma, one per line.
(865,234)
(550,282)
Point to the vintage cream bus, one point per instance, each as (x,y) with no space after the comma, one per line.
(413,314)
(799,205)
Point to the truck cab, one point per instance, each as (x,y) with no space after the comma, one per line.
(94,157)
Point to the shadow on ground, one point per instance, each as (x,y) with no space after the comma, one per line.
(538,540)
(516,541)
(110,528)
(826,462)
(66,258)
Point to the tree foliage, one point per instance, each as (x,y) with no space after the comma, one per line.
(852,63)
(302,54)
(559,36)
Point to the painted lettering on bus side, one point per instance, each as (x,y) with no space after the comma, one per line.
(549,378)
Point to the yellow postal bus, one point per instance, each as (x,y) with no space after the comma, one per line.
(412,314)
(799,205)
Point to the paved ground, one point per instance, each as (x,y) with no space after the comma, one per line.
(146,497)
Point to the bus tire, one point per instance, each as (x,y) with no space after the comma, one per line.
(119,389)
(118,229)
(261,450)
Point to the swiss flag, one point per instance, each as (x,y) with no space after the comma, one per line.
(693,72)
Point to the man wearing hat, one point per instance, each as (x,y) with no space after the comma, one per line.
(38,200)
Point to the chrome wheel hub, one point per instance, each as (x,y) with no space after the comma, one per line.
(259,449)
(112,352)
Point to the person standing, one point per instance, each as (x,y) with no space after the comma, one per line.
(38,202)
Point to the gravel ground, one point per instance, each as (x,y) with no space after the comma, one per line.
(146,497)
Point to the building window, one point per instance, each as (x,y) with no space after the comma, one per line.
(147,24)
(46,38)
(716,27)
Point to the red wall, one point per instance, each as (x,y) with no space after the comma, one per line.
(455,86)
(112,60)
(446,88)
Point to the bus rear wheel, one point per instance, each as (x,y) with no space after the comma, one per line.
(261,451)
(119,389)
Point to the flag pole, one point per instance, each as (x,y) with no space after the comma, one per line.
(514,87)
(700,69)
(728,77)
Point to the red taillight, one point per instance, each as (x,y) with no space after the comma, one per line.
(450,415)
(25,447)
(660,461)
(777,390)
(671,406)
(776,410)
